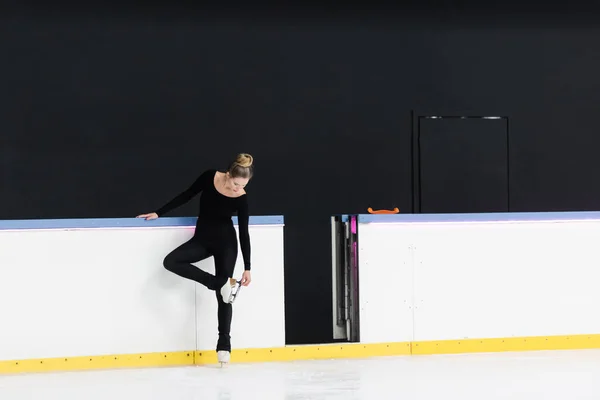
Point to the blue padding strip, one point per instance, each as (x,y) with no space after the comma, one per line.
(343,217)
(122,222)
(483,217)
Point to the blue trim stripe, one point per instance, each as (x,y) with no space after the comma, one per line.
(483,217)
(343,217)
(122,222)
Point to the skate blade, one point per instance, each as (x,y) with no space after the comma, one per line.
(234,293)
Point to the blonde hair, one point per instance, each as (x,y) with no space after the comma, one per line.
(244,160)
(242,166)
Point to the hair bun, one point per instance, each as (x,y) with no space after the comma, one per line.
(244,160)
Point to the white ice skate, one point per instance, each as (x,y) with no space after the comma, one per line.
(230,290)
(223,357)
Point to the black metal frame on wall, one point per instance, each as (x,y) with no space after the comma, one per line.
(416,119)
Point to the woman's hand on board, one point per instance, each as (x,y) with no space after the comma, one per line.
(149,216)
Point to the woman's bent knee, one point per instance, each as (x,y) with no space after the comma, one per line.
(169,263)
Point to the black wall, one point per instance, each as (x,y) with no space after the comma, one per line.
(109,112)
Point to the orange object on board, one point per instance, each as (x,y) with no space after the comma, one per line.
(394,211)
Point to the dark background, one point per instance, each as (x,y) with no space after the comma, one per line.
(110,110)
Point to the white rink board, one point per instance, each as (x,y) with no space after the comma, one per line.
(385,284)
(501,280)
(479,280)
(78,292)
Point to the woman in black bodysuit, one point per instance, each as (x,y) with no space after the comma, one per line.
(222,195)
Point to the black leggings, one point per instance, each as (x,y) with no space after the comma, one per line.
(180,260)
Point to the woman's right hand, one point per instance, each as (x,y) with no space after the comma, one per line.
(148,217)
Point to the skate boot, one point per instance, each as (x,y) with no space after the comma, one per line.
(223,357)
(230,290)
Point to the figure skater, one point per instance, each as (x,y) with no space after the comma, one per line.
(223,194)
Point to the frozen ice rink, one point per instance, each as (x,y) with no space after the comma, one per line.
(531,375)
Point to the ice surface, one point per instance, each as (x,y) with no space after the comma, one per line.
(531,376)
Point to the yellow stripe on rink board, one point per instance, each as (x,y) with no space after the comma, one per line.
(97,362)
(568,342)
(308,352)
(328,351)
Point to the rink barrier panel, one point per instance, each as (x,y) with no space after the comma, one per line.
(95,293)
(403,314)
(453,283)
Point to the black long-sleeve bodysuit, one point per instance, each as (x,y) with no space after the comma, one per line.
(214,236)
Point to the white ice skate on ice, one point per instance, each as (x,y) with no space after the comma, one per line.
(230,290)
(223,357)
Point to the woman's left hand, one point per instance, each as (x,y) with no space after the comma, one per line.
(246,278)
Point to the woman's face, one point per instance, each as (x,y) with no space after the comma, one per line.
(236,184)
